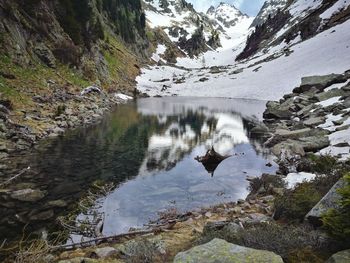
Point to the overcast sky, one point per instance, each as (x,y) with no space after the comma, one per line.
(250,7)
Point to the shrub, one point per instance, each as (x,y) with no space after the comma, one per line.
(297,202)
(323,164)
(265,183)
(337,221)
(291,242)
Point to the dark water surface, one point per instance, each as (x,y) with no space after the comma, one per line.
(147,149)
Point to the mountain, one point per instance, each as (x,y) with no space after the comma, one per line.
(305,38)
(227,15)
(298,21)
(195,32)
(269,9)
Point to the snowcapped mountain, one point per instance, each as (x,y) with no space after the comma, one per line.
(227,15)
(195,32)
(270,8)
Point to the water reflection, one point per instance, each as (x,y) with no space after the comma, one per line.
(147,149)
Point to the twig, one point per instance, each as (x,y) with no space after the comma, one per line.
(14,177)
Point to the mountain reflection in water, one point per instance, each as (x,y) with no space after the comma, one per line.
(170,177)
(146,149)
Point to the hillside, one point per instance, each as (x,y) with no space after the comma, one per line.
(52,50)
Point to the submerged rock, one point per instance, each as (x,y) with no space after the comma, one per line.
(28,195)
(219,250)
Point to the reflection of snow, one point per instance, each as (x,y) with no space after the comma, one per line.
(221,130)
(229,132)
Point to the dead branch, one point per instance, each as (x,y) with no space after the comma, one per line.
(111,239)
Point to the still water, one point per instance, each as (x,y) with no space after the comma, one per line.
(147,148)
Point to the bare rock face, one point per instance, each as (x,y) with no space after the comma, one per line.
(329,201)
(219,250)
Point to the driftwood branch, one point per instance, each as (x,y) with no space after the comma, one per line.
(111,239)
(14,177)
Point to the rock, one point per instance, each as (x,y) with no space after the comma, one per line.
(79,260)
(104,252)
(292,134)
(259,129)
(319,82)
(42,216)
(314,143)
(315,121)
(45,55)
(329,201)
(221,227)
(91,89)
(289,148)
(306,110)
(329,94)
(219,250)
(28,195)
(203,79)
(256,218)
(57,203)
(340,257)
(276,111)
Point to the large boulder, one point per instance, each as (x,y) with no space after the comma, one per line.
(275,110)
(219,250)
(314,143)
(340,257)
(329,201)
(319,82)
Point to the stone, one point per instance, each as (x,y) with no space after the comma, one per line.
(289,148)
(79,260)
(256,218)
(329,94)
(292,134)
(340,257)
(277,111)
(329,201)
(105,252)
(57,203)
(319,82)
(221,227)
(314,143)
(42,216)
(219,250)
(315,121)
(28,195)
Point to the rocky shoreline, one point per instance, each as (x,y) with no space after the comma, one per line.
(302,124)
(52,116)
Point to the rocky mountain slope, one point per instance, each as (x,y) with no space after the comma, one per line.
(269,9)
(50,51)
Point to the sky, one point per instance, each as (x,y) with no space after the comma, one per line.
(250,7)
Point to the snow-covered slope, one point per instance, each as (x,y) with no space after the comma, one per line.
(273,71)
